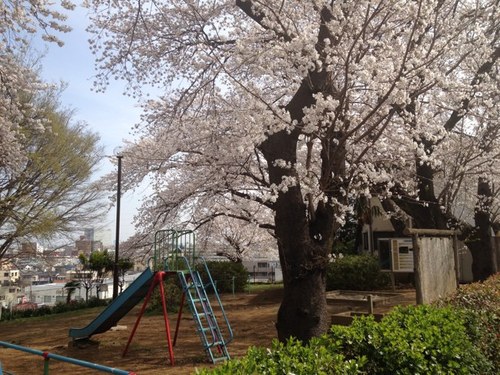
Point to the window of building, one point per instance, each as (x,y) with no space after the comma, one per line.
(262,265)
(403,249)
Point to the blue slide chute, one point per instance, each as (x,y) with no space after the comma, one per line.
(117,309)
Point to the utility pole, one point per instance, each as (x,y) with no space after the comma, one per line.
(117,238)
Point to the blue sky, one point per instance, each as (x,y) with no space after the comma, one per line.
(111,114)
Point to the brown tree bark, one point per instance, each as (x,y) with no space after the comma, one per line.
(425,212)
(480,242)
(304,246)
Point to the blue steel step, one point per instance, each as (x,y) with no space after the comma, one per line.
(204,316)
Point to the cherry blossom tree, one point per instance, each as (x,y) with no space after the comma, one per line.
(463,192)
(298,107)
(454,166)
(236,239)
(19,21)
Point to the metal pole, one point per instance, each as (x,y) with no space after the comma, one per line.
(57,357)
(117,239)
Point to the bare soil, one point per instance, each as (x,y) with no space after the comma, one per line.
(252,317)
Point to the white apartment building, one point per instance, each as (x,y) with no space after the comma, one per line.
(9,284)
(50,294)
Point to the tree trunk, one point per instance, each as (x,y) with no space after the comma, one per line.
(425,212)
(68,296)
(480,245)
(303,244)
(303,311)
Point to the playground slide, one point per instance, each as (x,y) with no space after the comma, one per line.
(117,309)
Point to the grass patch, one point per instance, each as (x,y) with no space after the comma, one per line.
(260,287)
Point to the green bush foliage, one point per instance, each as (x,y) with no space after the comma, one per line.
(319,357)
(173,295)
(356,272)
(223,274)
(479,304)
(410,340)
(413,340)
(48,310)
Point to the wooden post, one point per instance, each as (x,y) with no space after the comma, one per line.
(416,267)
(496,252)
(456,258)
(369,299)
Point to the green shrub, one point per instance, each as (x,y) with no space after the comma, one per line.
(413,340)
(460,337)
(58,308)
(61,307)
(318,357)
(410,340)
(224,274)
(173,294)
(356,272)
(42,310)
(96,302)
(479,304)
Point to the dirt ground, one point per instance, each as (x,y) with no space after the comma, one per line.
(252,318)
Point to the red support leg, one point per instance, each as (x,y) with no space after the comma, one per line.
(141,313)
(165,318)
(179,316)
(158,279)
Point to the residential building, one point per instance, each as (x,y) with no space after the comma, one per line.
(9,284)
(50,294)
(9,274)
(395,251)
(263,270)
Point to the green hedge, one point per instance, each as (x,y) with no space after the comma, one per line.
(58,308)
(319,357)
(356,272)
(479,304)
(173,294)
(410,340)
(413,340)
(223,274)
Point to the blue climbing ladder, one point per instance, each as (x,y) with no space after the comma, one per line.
(207,326)
(174,253)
